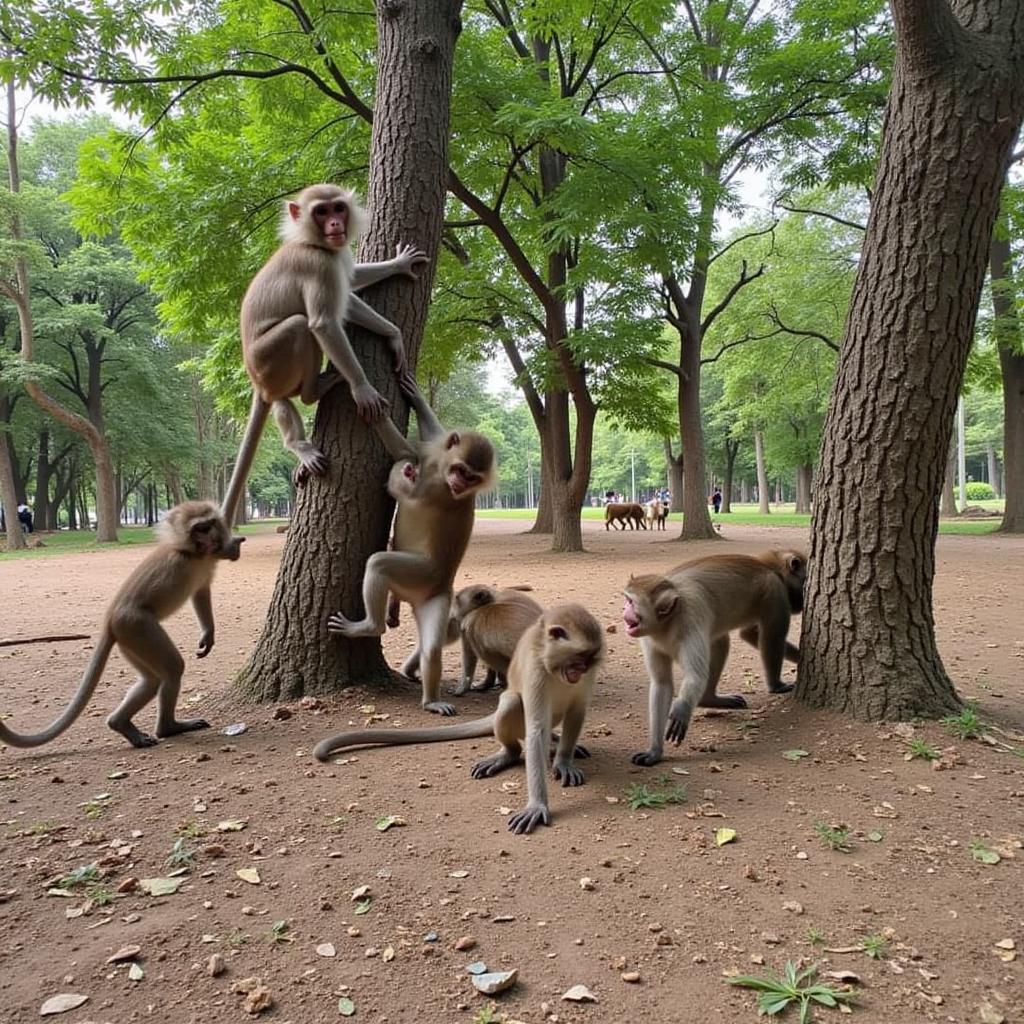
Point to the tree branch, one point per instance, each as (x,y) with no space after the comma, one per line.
(741,282)
(773,315)
(736,241)
(822,213)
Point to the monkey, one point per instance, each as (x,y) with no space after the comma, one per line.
(432,529)
(193,537)
(490,636)
(550,681)
(292,317)
(685,616)
(490,624)
(653,514)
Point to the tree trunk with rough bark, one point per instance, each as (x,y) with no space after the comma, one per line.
(545,519)
(804,475)
(955,106)
(340,519)
(9,499)
(1011,362)
(762,474)
(947,502)
(732,448)
(993,469)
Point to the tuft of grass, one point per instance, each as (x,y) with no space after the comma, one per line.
(966,725)
(875,946)
(77,878)
(279,932)
(815,936)
(180,856)
(793,988)
(486,1015)
(100,895)
(835,837)
(919,747)
(190,830)
(639,796)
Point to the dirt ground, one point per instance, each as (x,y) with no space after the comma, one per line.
(662,902)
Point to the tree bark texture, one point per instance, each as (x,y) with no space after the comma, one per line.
(1011,362)
(955,107)
(804,477)
(339,520)
(9,500)
(762,474)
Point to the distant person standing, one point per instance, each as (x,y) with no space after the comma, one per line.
(25,517)
(716,500)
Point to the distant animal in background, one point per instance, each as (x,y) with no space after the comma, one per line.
(655,514)
(618,514)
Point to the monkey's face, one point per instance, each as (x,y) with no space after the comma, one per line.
(574,643)
(207,537)
(471,463)
(650,601)
(331,219)
(472,597)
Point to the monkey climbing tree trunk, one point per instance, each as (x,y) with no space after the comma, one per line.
(1011,362)
(342,518)
(955,106)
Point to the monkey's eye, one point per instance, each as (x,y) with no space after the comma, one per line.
(340,207)
(558,633)
(320,210)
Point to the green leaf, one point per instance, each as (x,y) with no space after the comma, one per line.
(794,755)
(346,1007)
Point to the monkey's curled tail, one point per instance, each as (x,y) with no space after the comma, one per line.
(392,737)
(93,672)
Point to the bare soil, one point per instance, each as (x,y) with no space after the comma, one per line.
(664,901)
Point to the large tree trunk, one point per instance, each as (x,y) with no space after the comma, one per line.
(696,518)
(993,469)
(762,474)
(9,500)
(957,98)
(803,489)
(1011,361)
(732,448)
(340,519)
(947,502)
(545,520)
(674,471)
(44,471)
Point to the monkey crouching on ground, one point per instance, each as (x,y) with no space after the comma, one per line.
(686,615)
(435,484)
(550,681)
(193,538)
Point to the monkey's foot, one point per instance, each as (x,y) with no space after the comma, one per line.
(411,668)
(180,725)
(780,688)
(312,462)
(465,685)
(647,758)
(567,774)
(337,623)
(528,819)
(578,751)
(723,700)
(678,721)
(492,765)
(487,683)
(134,736)
(440,707)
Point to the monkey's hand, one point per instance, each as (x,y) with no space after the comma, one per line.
(568,774)
(205,644)
(341,626)
(407,384)
(678,722)
(647,758)
(407,257)
(780,687)
(440,707)
(528,819)
(465,685)
(370,403)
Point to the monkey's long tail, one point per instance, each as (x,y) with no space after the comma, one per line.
(93,673)
(392,737)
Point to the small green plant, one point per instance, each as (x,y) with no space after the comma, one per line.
(189,830)
(337,821)
(639,796)
(966,725)
(95,808)
(180,856)
(236,940)
(815,936)
(876,946)
(40,828)
(78,877)
(835,837)
(100,895)
(980,852)
(486,1015)
(919,747)
(279,932)
(793,987)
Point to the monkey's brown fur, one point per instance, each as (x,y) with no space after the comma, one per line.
(292,317)
(686,615)
(550,681)
(193,538)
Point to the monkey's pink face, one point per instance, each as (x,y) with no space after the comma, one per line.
(632,618)
(332,220)
(461,479)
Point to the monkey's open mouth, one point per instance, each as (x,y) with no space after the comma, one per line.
(633,623)
(457,483)
(575,671)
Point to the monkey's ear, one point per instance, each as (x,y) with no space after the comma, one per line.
(294,210)
(452,441)
(665,605)
(557,633)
